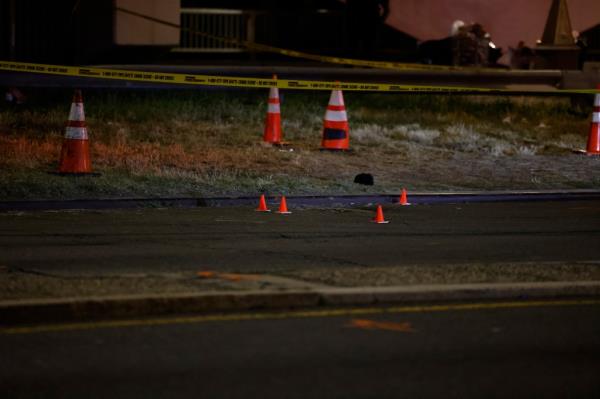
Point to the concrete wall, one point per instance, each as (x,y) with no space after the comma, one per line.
(134,31)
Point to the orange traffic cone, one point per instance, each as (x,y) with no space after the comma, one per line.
(272,133)
(336,132)
(403,198)
(283,206)
(75,152)
(262,205)
(379,216)
(593,144)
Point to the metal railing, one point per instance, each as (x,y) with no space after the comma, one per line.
(237,24)
(272,28)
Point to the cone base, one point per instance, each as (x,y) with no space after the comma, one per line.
(76,174)
(380,222)
(75,157)
(336,149)
(405,204)
(281,144)
(271,142)
(262,210)
(284,212)
(585,152)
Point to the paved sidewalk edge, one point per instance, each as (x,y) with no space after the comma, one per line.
(303,201)
(120,307)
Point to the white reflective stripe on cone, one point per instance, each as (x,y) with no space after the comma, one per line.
(596,117)
(273,109)
(76,113)
(597,100)
(273,92)
(336,116)
(76,133)
(336,98)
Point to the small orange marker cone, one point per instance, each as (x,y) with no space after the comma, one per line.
(283,206)
(379,216)
(272,133)
(206,274)
(403,198)
(75,152)
(593,144)
(262,205)
(336,132)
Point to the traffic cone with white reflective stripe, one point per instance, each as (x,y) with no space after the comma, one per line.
(336,132)
(593,144)
(75,152)
(272,133)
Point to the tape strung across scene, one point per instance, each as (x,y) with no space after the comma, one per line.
(299,54)
(320,58)
(248,82)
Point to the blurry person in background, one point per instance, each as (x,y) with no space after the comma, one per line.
(581,42)
(467,45)
(364,19)
(456,25)
(521,57)
(471,46)
(14,96)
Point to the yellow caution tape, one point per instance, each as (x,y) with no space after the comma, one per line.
(313,57)
(232,81)
(249,82)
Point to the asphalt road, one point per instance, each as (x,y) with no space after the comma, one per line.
(491,350)
(240,239)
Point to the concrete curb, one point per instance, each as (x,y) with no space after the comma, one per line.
(120,307)
(458,292)
(328,201)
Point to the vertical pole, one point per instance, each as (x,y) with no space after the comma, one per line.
(251,28)
(13,30)
(251,32)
